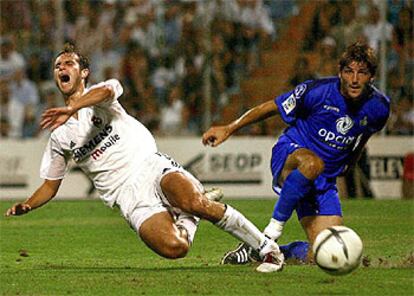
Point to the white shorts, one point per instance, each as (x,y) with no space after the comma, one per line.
(143,196)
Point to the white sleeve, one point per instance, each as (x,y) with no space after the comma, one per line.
(116,87)
(54,163)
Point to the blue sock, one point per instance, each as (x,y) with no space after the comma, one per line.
(296,186)
(295,250)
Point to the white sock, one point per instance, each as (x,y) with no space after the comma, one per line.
(274,229)
(237,225)
(189,223)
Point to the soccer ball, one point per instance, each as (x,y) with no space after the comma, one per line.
(337,250)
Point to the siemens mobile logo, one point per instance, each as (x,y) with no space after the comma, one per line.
(99,151)
(90,147)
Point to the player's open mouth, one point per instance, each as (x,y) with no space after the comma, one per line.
(64,78)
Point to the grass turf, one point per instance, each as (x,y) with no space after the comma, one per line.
(84,248)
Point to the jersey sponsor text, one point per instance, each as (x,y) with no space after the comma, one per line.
(334,140)
(111,141)
(81,152)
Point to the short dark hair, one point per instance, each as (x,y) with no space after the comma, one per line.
(361,53)
(70,48)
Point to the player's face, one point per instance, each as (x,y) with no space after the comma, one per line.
(354,80)
(67,73)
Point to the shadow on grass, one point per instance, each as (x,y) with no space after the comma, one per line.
(405,262)
(128,269)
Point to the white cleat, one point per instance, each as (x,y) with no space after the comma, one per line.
(214,194)
(272,261)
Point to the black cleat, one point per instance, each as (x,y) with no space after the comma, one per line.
(243,254)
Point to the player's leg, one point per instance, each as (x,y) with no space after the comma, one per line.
(188,222)
(317,213)
(313,225)
(294,169)
(161,235)
(181,192)
(299,171)
(326,203)
(168,232)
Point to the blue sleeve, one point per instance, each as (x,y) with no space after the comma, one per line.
(296,103)
(379,112)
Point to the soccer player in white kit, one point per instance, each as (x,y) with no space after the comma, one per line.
(160,200)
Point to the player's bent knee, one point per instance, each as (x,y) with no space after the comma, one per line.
(312,167)
(160,234)
(175,249)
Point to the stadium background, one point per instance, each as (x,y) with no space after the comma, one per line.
(187,64)
(183,65)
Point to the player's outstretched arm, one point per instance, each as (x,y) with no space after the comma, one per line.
(218,134)
(42,195)
(55,117)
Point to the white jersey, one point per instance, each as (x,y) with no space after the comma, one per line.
(105,142)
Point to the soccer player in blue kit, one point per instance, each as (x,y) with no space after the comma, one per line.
(330,120)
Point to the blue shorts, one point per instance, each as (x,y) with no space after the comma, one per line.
(323,198)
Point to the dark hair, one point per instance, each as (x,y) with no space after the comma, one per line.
(70,48)
(360,53)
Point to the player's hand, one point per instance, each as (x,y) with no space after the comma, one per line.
(55,117)
(216,135)
(18,209)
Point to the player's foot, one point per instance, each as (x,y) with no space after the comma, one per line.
(274,229)
(272,261)
(243,254)
(214,194)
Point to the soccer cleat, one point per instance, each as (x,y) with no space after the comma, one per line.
(272,261)
(243,254)
(214,194)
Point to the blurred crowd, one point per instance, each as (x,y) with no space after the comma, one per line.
(164,52)
(336,24)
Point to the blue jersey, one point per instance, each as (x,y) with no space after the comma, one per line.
(319,119)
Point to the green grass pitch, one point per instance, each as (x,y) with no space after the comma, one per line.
(84,248)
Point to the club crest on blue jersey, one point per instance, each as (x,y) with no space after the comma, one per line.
(344,124)
(363,121)
(299,90)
